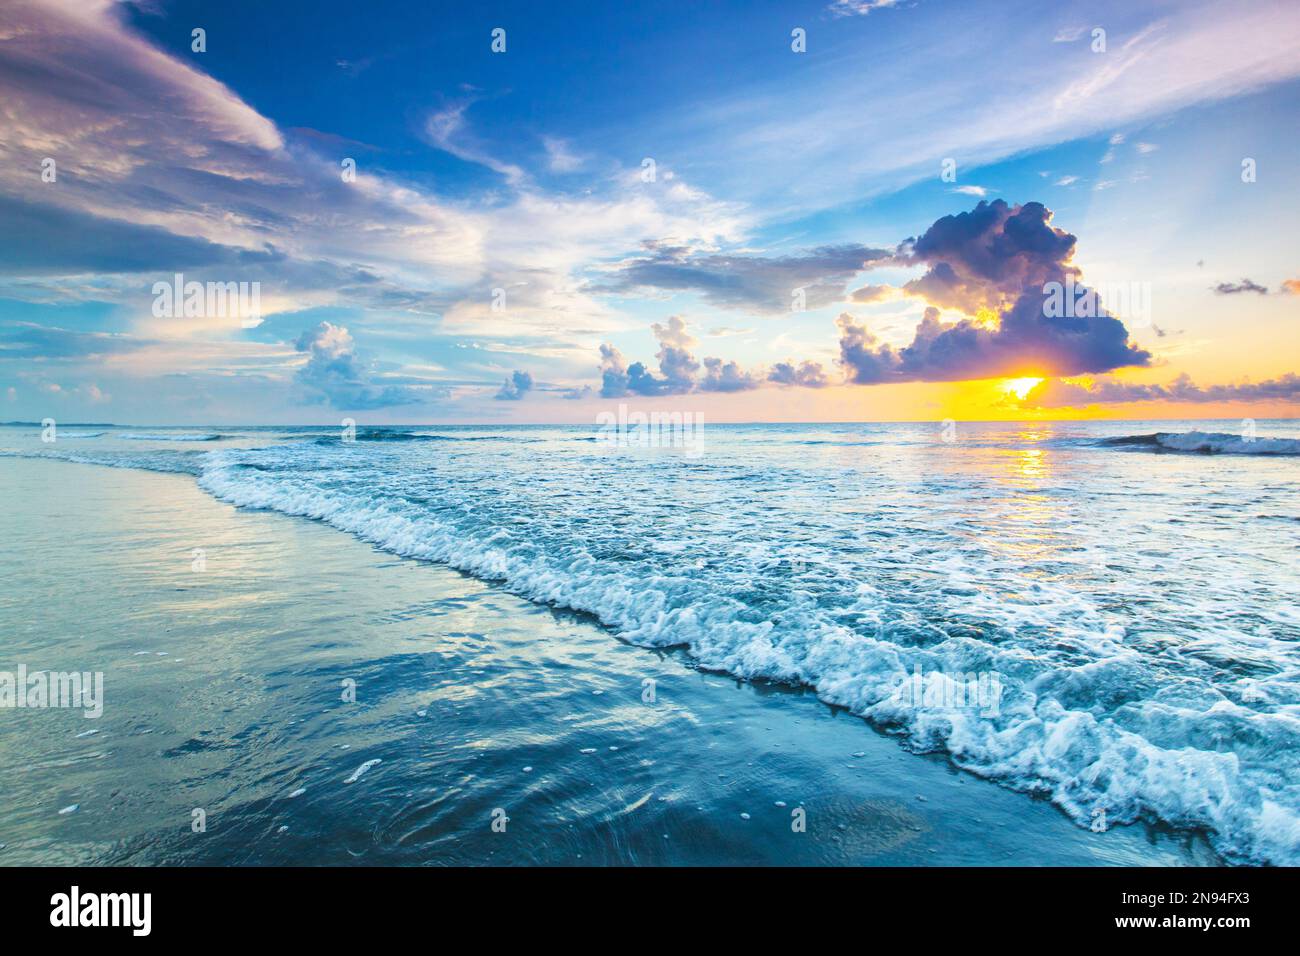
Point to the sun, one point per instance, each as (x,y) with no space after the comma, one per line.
(1019,387)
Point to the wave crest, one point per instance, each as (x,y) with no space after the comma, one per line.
(1206,443)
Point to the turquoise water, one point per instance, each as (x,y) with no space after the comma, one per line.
(1118,612)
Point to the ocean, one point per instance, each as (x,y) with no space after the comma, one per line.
(1095,624)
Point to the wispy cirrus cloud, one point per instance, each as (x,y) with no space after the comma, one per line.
(448,129)
(859,8)
(1063,93)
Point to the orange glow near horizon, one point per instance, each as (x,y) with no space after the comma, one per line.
(1019,387)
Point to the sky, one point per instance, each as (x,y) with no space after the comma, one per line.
(883,210)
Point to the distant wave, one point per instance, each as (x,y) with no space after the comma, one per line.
(148,436)
(68,434)
(1206,443)
(393,436)
(170,462)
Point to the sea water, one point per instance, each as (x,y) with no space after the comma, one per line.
(1130,589)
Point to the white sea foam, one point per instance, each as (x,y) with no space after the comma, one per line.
(168,436)
(361,770)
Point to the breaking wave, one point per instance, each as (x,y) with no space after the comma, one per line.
(166,436)
(1207,443)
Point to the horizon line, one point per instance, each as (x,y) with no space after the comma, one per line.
(910,421)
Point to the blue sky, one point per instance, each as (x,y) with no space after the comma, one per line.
(503,255)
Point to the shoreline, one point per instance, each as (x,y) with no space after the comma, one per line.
(237,705)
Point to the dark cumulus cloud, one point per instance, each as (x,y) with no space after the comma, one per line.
(515,387)
(1054,394)
(991,263)
(336,375)
(758,283)
(1235,288)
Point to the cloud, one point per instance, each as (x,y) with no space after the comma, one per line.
(858,8)
(44,240)
(805,375)
(675,360)
(559,157)
(1069,34)
(335,374)
(1052,393)
(78,71)
(162,169)
(160,166)
(1291,286)
(613,372)
(1049,95)
(720,376)
(875,293)
(990,256)
(757,283)
(31,341)
(678,368)
(515,387)
(1245,285)
(992,264)
(89,393)
(447,129)
(865,362)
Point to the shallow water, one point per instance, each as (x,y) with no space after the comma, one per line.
(1138,606)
